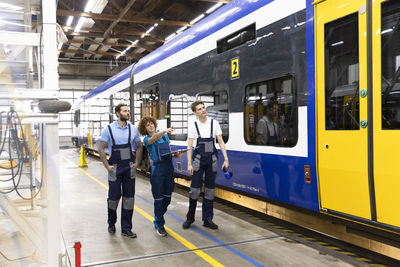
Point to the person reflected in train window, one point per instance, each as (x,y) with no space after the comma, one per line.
(162,170)
(267,130)
(204,161)
(120,136)
(329,123)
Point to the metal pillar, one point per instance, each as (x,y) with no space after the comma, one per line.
(50,135)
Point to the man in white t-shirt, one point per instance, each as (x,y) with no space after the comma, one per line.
(205,161)
(267,130)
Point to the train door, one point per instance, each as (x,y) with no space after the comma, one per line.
(386,104)
(341,81)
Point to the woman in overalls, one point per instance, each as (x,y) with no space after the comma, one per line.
(162,170)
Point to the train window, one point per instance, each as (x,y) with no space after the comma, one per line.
(342,74)
(217,108)
(270,113)
(390,37)
(147,103)
(77,117)
(178,109)
(237,38)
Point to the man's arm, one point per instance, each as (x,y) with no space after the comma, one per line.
(189,156)
(102,154)
(139,152)
(223,150)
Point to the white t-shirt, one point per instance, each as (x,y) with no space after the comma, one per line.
(204,129)
(265,127)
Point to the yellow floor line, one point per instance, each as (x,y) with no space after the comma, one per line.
(186,243)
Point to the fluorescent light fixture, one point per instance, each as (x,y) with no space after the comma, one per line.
(117,57)
(79,25)
(162,19)
(2,22)
(155,25)
(386,31)
(69,20)
(170,37)
(10,6)
(181,29)
(338,43)
(134,43)
(89,5)
(197,19)
(142,35)
(149,30)
(214,7)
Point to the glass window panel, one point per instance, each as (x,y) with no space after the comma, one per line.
(270,113)
(390,37)
(342,74)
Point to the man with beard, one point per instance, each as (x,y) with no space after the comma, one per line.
(119,136)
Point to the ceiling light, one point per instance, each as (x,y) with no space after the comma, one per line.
(162,19)
(338,43)
(117,57)
(181,29)
(9,6)
(89,5)
(142,36)
(149,30)
(155,25)
(79,25)
(214,7)
(69,20)
(60,46)
(386,31)
(197,19)
(170,37)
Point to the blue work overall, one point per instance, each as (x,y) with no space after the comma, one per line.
(205,161)
(122,175)
(162,181)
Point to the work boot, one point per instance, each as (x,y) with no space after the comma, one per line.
(210,224)
(187,224)
(111,229)
(162,232)
(129,234)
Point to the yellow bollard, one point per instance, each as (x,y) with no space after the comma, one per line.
(82,158)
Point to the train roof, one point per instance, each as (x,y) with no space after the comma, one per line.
(224,16)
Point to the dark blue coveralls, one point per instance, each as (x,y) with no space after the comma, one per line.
(162,180)
(205,161)
(122,175)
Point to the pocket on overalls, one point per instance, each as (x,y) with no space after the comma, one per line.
(214,163)
(133,171)
(112,174)
(196,163)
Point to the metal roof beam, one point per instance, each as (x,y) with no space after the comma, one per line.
(109,17)
(120,16)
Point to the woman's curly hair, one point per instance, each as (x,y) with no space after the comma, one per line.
(143,122)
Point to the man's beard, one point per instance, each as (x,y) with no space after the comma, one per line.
(122,118)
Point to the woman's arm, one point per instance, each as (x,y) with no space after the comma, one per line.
(158,135)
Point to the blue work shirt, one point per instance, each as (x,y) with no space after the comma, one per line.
(152,148)
(120,135)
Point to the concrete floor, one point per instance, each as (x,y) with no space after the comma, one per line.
(84,219)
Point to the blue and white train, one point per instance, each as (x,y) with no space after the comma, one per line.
(329,69)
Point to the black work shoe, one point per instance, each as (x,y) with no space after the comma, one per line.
(187,224)
(162,232)
(210,224)
(111,229)
(129,234)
